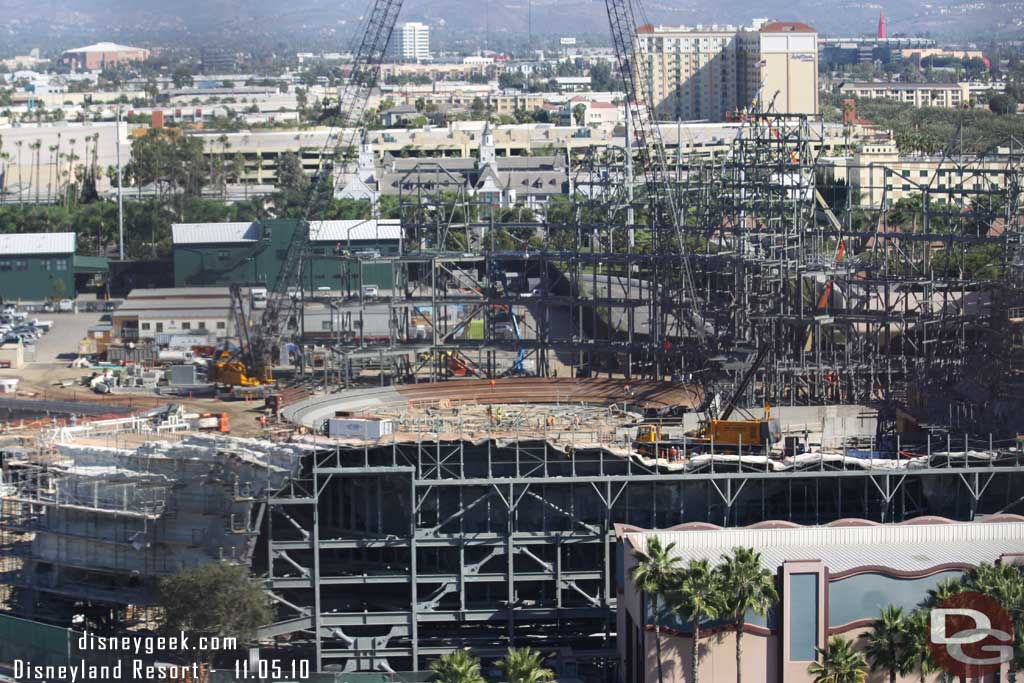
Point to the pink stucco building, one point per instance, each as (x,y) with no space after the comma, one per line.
(832,580)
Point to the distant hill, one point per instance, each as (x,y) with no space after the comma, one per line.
(319,24)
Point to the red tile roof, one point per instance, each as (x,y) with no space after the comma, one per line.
(787,27)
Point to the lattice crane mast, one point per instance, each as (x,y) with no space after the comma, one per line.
(662,194)
(371,43)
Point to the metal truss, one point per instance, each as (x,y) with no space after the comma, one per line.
(381,557)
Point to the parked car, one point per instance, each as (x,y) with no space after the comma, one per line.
(66,305)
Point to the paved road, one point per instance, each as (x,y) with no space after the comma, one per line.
(60,344)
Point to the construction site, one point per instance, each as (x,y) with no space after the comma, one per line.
(724,340)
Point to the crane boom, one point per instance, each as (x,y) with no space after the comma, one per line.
(285,292)
(660,185)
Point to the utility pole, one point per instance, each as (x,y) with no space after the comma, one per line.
(120,199)
(529,28)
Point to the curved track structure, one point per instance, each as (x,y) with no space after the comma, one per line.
(540,391)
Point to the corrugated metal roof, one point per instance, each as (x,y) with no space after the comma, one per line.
(903,547)
(37,243)
(214,233)
(355,230)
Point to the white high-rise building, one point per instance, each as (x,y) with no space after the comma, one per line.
(414,42)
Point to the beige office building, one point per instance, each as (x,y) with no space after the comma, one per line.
(946,95)
(779,68)
(692,71)
(714,72)
(882,176)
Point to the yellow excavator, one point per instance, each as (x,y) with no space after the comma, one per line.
(234,373)
(717,430)
(239,370)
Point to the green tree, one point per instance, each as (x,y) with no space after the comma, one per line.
(457,667)
(747,587)
(182,77)
(655,571)
(477,108)
(232,604)
(579,114)
(524,665)
(290,175)
(839,663)
(152,90)
(1002,105)
(944,590)
(917,629)
(697,596)
(1003,582)
(887,643)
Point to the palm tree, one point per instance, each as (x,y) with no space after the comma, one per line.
(1004,582)
(917,627)
(34,147)
(747,587)
(656,569)
(887,643)
(525,666)
(21,197)
(49,183)
(839,663)
(944,590)
(457,667)
(697,596)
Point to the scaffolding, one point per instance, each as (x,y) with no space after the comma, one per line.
(859,298)
(865,287)
(100,525)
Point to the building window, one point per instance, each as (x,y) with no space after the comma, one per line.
(202,325)
(326,325)
(221,325)
(60,264)
(144,326)
(46,264)
(5,266)
(223,254)
(803,609)
(186,326)
(21,264)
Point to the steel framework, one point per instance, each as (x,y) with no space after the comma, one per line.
(867,285)
(383,556)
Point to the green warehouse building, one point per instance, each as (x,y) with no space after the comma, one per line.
(43,265)
(251,254)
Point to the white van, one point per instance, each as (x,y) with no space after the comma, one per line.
(370,291)
(259,297)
